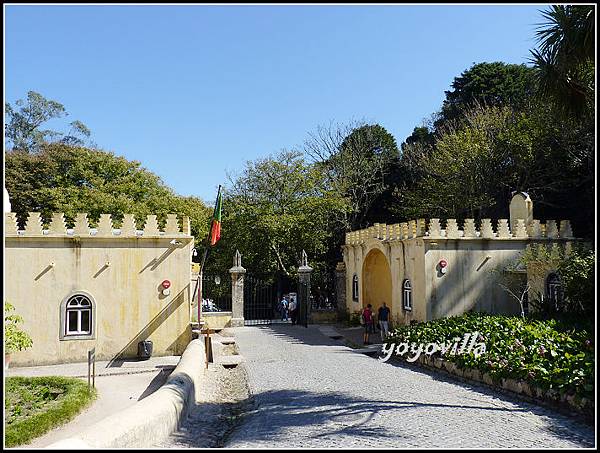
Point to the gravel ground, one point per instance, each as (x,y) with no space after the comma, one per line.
(224,397)
(310,391)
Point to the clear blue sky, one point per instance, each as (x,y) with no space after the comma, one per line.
(194,91)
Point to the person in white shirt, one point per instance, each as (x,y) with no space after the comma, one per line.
(294,311)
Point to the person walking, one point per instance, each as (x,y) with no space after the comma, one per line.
(369,323)
(284,309)
(294,311)
(383,315)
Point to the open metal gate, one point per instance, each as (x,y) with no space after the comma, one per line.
(260,302)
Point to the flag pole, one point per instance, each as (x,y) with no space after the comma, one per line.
(206,247)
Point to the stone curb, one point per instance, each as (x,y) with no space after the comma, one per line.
(152,419)
(514,387)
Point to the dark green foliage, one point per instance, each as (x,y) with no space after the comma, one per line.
(491,84)
(70,179)
(548,354)
(565,59)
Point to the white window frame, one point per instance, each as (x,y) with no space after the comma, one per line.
(355,287)
(407,295)
(78,302)
(554,289)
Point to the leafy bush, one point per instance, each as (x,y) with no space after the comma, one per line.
(14,338)
(546,353)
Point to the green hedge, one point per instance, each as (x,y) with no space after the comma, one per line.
(545,353)
(35,405)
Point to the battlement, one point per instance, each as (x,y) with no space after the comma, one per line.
(129,229)
(432,229)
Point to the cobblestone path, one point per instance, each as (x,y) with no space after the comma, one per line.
(309,391)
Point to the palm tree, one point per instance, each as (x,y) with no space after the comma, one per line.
(565,58)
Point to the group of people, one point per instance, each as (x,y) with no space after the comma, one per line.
(368,321)
(289,308)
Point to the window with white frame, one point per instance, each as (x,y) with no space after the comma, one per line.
(355,287)
(78,316)
(554,291)
(407,295)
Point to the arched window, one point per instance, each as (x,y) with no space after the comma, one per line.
(407,295)
(554,292)
(355,287)
(77,317)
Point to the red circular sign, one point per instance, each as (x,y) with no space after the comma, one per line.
(166,284)
(443,263)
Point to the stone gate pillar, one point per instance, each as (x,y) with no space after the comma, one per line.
(304,272)
(237,291)
(340,288)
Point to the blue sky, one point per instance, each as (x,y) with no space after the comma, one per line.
(195,91)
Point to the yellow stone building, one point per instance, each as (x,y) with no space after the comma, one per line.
(423,271)
(101,288)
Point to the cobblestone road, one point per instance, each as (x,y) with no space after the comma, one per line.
(309,391)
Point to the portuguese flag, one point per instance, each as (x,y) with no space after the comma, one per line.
(215,228)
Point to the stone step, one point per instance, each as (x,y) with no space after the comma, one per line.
(229,361)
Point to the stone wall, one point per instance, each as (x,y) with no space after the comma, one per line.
(474,255)
(120,270)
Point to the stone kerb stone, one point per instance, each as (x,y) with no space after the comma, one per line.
(33,227)
(11,227)
(551,229)
(435,229)
(487,231)
(565,229)
(452,229)
(503,229)
(469,228)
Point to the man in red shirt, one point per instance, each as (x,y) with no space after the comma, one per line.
(369,323)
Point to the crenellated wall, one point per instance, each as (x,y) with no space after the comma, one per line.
(432,229)
(119,269)
(473,253)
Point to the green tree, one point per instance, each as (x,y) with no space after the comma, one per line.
(491,84)
(71,179)
(357,160)
(277,207)
(565,59)
(24,124)
(15,339)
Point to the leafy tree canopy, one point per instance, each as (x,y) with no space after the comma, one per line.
(73,179)
(25,119)
(492,84)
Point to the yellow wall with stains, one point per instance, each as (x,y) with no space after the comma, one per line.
(129,304)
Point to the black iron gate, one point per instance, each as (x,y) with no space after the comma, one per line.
(260,302)
(216,292)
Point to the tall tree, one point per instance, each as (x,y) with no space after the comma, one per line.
(25,120)
(492,84)
(357,160)
(564,61)
(70,179)
(272,210)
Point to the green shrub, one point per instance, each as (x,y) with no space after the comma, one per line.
(14,338)
(546,353)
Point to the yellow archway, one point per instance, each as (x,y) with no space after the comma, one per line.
(376,281)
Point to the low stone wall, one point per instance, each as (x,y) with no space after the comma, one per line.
(152,419)
(550,398)
(217,320)
(323,317)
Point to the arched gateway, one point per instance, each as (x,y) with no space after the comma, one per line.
(377,281)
